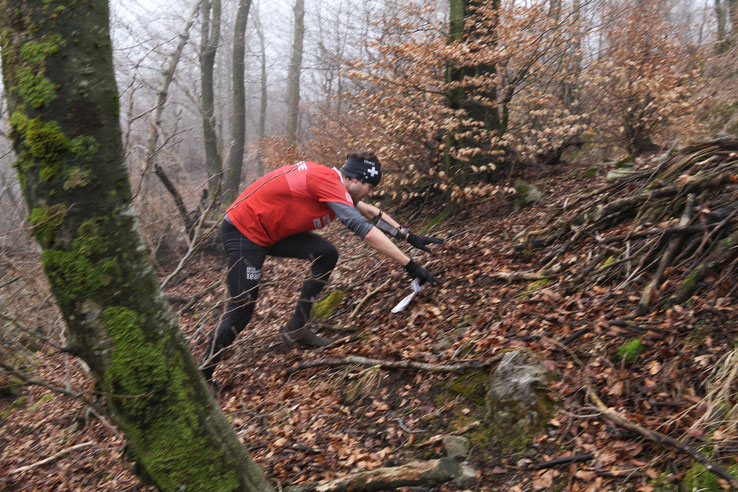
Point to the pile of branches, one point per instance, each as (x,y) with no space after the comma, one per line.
(669,229)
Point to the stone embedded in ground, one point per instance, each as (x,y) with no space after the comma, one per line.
(456,447)
(517,404)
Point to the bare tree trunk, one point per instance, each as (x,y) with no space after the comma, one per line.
(152,148)
(262,105)
(63,100)
(238,125)
(208,49)
(293,77)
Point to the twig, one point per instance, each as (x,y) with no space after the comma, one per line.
(580,458)
(439,437)
(659,438)
(51,458)
(404,364)
(366,298)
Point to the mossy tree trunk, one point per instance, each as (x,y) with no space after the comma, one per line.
(210,37)
(63,102)
(238,125)
(476,105)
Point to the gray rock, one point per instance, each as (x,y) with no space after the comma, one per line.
(456,447)
(518,378)
(517,402)
(467,478)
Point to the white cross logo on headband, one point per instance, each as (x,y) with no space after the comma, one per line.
(373,171)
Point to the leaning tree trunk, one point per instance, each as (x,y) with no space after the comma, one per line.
(238,126)
(63,101)
(293,76)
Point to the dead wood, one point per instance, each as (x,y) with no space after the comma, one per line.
(51,458)
(580,458)
(662,230)
(660,439)
(416,473)
(403,364)
(665,260)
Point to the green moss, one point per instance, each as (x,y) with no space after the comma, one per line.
(325,307)
(699,478)
(44,399)
(89,238)
(628,159)
(537,285)
(609,261)
(77,177)
(630,351)
(35,52)
(698,335)
(690,282)
(46,221)
(47,144)
(84,147)
(590,172)
(137,373)
(33,89)
(149,391)
(472,386)
(72,276)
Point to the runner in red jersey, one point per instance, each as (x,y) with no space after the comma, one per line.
(276,215)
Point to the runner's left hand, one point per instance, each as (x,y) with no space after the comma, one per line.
(421,242)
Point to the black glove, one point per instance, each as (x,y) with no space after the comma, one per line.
(417,271)
(420,242)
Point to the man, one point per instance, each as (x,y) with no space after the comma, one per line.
(275,216)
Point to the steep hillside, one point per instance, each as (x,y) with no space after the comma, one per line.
(616,372)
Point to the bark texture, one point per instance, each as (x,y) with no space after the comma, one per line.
(238,126)
(210,38)
(63,101)
(464,96)
(293,77)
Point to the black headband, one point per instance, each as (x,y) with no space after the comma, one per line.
(365,170)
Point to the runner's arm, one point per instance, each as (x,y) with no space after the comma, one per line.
(353,219)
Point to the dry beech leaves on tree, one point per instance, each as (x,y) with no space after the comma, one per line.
(564,278)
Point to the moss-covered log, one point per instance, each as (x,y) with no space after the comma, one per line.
(63,102)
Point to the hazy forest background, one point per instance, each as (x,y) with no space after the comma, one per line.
(459,99)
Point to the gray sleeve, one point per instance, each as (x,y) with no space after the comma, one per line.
(351,218)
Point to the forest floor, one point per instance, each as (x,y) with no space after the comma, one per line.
(304,425)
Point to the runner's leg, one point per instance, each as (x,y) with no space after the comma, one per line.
(323,257)
(245,259)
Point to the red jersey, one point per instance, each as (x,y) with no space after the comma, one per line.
(287,201)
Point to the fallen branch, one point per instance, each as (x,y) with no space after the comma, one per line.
(51,458)
(526,276)
(366,298)
(416,473)
(404,364)
(660,439)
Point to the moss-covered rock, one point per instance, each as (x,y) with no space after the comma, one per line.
(324,308)
(517,402)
